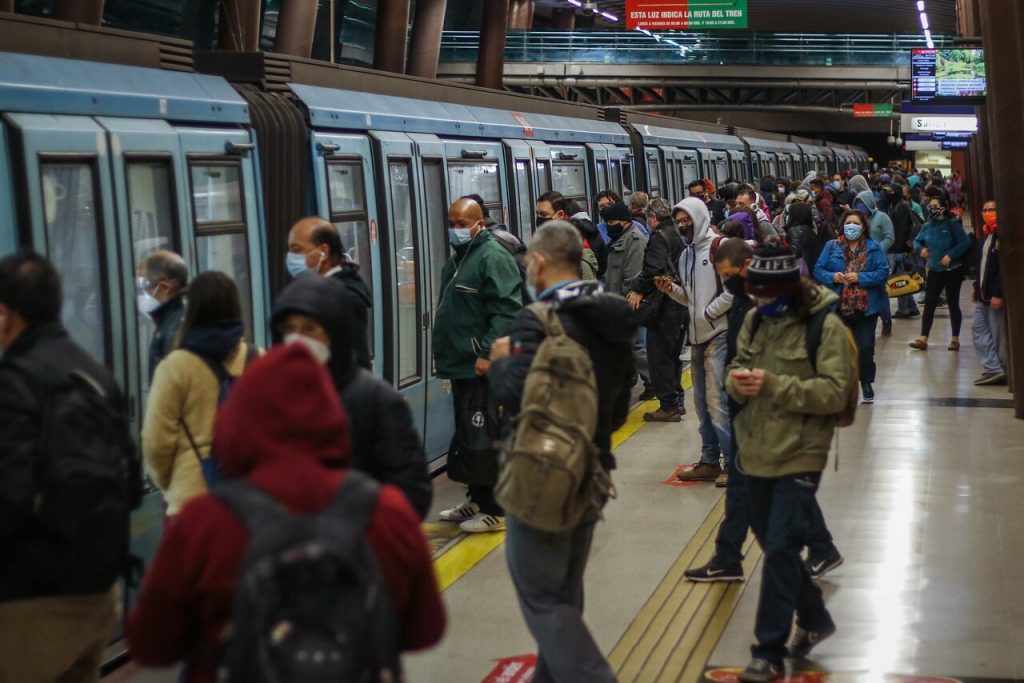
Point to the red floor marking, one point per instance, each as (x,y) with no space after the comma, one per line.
(513,670)
(674,480)
(731,675)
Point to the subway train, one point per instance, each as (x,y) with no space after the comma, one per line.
(102,163)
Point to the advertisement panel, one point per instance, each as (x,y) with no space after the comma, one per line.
(682,15)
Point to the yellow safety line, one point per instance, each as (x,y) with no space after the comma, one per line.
(453,564)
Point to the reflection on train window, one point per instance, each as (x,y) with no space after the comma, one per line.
(437,225)
(221,241)
(690,173)
(151,214)
(627,177)
(614,176)
(671,190)
(74,245)
(543,177)
(653,178)
(570,179)
(216,194)
(602,176)
(524,192)
(406,247)
(346,191)
(345,181)
(476,178)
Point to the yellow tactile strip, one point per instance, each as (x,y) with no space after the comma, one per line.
(676,631)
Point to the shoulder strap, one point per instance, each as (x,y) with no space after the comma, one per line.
(545,312)
(218,369)
(254,508)
(755,323)
(815,328)
(355,500)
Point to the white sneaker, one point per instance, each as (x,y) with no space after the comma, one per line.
(461,512)
(481,523)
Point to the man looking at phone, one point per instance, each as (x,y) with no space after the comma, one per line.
(709,302)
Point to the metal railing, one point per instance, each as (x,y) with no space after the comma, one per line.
(634,47)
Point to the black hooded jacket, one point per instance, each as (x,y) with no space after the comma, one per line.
(385,443)
(586,313)
(360,303)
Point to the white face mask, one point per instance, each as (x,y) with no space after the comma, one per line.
(321,352)
(146,303)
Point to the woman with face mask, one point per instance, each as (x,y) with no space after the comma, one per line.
(856,268)
(943,243)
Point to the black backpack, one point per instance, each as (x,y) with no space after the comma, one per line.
(88,479)
(310,605)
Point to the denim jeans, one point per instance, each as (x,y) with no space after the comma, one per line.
(989,338)
(863,329)
(780,512)
(707,366)
(547,571)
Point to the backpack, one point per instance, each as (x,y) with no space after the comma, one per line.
(211,470)
(516,250)
(550,473)
(88,478)
(815,328)
(310,605)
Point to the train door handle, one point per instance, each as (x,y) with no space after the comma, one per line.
(425,319)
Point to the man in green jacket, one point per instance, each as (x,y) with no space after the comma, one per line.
(480,297)
(784,432)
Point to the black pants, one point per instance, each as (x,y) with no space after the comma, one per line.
(863,329)
(664,344)
(948,281)
(472,458)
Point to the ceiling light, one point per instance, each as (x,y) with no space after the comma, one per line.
(643,30)
(609,17)
(920,5)
(924,20)
(891,139)
(575,2)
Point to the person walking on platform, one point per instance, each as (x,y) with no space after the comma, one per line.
(480,296)
(664,324)
(855,268)
(64,529)
(385,443)
(988,331)
(880,229)
(943,243)
(283,440)
(314,245)
(178,428)
(547,567)
(162,279)
(701,290)
(784,432)
(904,225)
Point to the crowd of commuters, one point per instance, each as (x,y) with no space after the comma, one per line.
(776,288)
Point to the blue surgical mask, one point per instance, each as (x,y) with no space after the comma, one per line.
(852,231)
(295,263)
(459,236)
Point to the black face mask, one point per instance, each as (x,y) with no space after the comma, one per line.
(935,212)
(736,285)
(615,231)
(541,220)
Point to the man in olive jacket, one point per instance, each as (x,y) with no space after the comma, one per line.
(784,432)
(480,297)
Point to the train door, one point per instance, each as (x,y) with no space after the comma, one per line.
(403,273)
(569,174)
(599,170)
(738,166)
(522,180)
(654,179)
(667,155)
(8,237)
(721,167)
(225,217)
(346,193)
(616,157)
(628,173)
(690,169)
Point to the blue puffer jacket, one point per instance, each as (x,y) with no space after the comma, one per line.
(945,237)
(872,278)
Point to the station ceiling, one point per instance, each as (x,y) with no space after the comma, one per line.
(821,16)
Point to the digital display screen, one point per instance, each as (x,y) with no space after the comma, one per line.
(948,75)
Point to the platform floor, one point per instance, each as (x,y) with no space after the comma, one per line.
(926,507)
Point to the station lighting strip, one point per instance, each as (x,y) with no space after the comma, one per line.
(608,16)
(924,24)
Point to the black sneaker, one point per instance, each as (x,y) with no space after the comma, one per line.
(817,567)
(761,671)
(886,328)
(648,394)
(867,392)
(712,572)
(803,641)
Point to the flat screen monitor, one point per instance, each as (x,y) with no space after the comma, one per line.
(948,75)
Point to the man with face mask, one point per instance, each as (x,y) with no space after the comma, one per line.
(162,279)
(53,626)
(989,331)
(479,298)
(314,246)
(605,198)
(385,443)
(716,207)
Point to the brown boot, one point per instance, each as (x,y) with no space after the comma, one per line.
(701,471)
(919,344)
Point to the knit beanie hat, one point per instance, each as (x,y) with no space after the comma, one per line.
(774,272)
(616,212)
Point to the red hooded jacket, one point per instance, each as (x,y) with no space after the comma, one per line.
(279,428)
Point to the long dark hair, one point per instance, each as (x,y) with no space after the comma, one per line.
(800,213)
(805,301)
(211,296)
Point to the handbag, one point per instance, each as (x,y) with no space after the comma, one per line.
(472,456)
(903,284)
(649,311)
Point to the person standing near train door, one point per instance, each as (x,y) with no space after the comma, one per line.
(480,297)
(161,281)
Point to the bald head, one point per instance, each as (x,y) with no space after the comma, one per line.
(319,241)
(466,214)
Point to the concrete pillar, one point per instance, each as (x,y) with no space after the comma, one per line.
(239,25)
(296,22)
(490,60)
(425,47)
(520,15)
(1001,24)
(563,19)
(78,11)
(392,34)
(6,5)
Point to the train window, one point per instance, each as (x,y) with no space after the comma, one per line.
(152,227)
(524,192)
(670,179)
(602,176)
(571,180)
(476,178)
(221,241)
(543,177)
(627,177)
(75,246)
(653,178)
(437,225)
(407,273)
(347,195)
(615,176)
